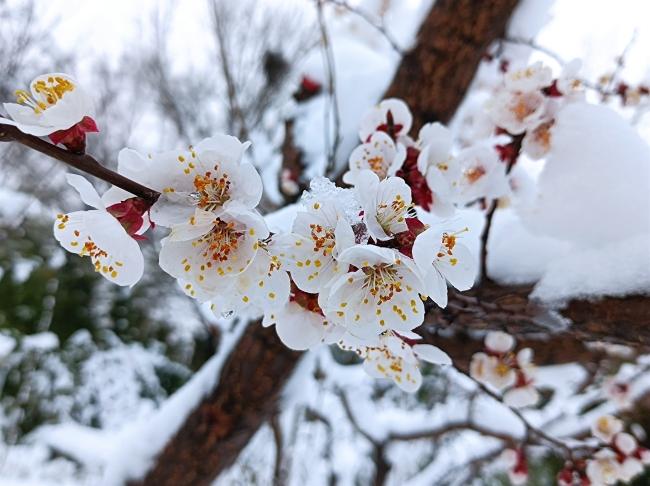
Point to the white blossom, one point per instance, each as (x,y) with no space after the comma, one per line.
(300,329)
(483,175)
(441,257)
(626,443)
(55,102)
(568,83)
(603,469)
(439,167)
(319,234)
(381,294)
(606,427)
(389,356)
(386,204)
(492,371)
(531,78)
(99,235)
(377,119)
(379,154)
(499,342)
(205,178)
(537,142)
(208,250)
(263,287)
(517,112)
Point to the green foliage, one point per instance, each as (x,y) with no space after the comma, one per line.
(100,327)
(542,471)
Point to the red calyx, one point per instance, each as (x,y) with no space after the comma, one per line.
(74,138)
(130,215)
(310,85)
(421,194)
(510,152)
(309,88)
(405,239)
(305,300)
(522,464)
(552,91)
(390,127)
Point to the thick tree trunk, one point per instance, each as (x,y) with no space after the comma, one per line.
(434,76)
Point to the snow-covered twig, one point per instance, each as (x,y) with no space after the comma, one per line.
(379,26)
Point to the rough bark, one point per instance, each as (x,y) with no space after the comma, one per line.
(434,76)
(491,306)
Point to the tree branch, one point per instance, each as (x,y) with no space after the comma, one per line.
(83,162)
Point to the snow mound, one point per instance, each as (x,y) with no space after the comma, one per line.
(595,186)
(616,269)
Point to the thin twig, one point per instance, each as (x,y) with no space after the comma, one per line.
(520,41)
(380,27)
(278,472)
(530,429)
(490,214)
(82,162)
(333,105)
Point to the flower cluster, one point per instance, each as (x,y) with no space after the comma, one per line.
(440,178)
(357,265)
(526,104)
(508,372)
(618,457)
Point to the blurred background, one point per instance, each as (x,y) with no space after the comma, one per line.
(81,360)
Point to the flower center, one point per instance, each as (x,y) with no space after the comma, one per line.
(323,239)
(395,212)
(377,165)
(473,174)
(523,108)
(211,192)
(382,281)
(220,242)
(48,93)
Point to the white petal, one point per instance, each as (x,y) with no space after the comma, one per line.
(432,354)
(367,255)
(198,225)
(499,342)
(460,269)
(298,328)
(86,190)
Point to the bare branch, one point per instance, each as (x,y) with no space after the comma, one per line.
(82,162)
(367,17)
(332,107)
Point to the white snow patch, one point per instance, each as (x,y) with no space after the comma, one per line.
(595,186)
(616,269)
(43,341)
(7,345)
(138,443)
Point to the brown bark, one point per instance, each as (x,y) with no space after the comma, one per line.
(491,306)
(213,435)
(434,76)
